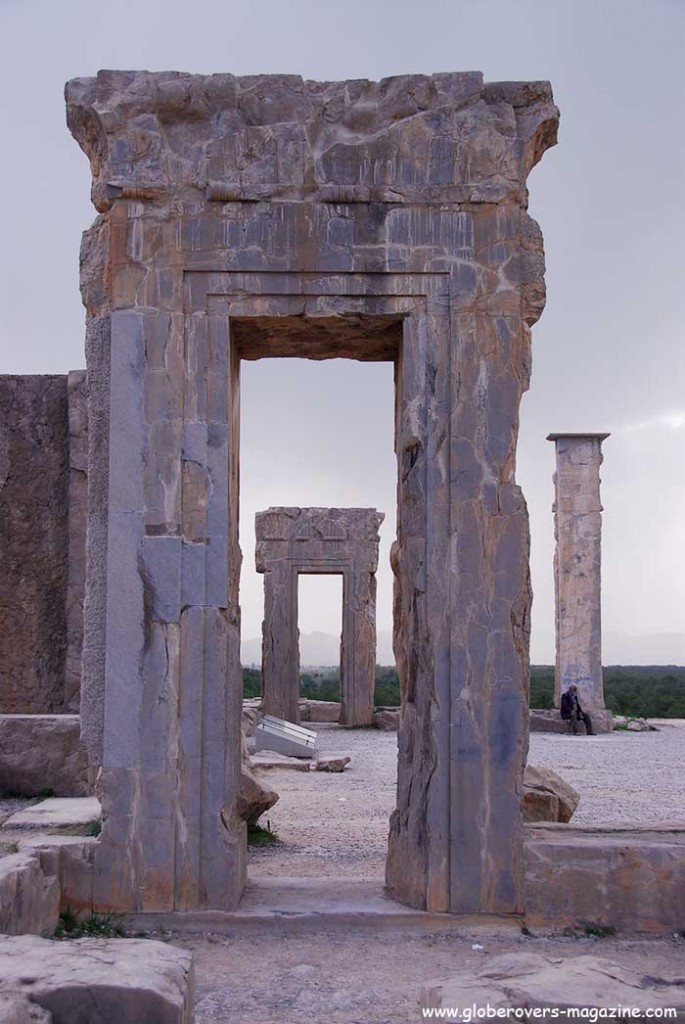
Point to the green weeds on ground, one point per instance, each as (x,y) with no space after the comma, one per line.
(257,835)
(102,926)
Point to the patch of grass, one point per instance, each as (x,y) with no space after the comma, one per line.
(8,848)
(92,827)
(102,926)
(45,794)
(257,835)
(599,931)
(10,794)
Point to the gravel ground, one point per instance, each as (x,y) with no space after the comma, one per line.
(373,978)
(337,824)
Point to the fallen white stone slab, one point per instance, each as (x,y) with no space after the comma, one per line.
(530,980)
(56,812)
(111,981)
(284,737)
(332,763)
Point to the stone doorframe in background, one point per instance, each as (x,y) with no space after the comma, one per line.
(341,541)
(262,216)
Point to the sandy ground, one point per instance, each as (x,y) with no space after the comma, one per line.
(337,824)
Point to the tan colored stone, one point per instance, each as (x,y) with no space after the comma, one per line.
(255,796)
(40,753)
(29,898)
(16,1008)
(387,720)
(530,981)
(332,763)
(628,878)
(547,797)
(127,981)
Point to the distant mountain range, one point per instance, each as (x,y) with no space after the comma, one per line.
(318,649)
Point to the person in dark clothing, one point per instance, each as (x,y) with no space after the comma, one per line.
(572,712)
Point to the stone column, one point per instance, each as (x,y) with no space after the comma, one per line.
(358,647)
(280,648)
(577,578)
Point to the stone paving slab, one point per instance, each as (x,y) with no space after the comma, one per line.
(308,904)
(55,813)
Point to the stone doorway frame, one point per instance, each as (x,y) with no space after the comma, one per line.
(292,542)
(225,199)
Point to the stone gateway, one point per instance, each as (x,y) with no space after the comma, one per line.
(343,541)
(243,218)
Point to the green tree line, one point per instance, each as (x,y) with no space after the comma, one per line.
(644,691)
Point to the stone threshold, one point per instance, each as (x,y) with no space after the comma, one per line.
(288,904)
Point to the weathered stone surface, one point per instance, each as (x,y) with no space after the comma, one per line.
(251,716)
(639,725)
(530,981)
(547,797)
(546,720)
(78,512)
(56,812)
(263,216)
(16,1008)
(631,879)
(255,796)
(127,981)
(387,720)
(42,752)
(319,710)
(70,859)
(29,897)
(43,472)
(34,474)
(332,763)
(271,759)
(291,541)
(577,568)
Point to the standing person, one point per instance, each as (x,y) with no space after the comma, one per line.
(572,712)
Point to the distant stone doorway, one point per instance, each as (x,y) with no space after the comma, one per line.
(294,541)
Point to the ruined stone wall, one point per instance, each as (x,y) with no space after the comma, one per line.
(43,430)
(34,468)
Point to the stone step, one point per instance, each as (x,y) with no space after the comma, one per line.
(56,812)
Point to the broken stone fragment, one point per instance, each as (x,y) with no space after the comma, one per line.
(332,763)
(547,797)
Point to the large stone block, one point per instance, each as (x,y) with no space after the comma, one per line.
(123,981)
(42,752)
(29,897)
(631,879)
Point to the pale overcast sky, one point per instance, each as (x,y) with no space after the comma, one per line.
(608,351)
